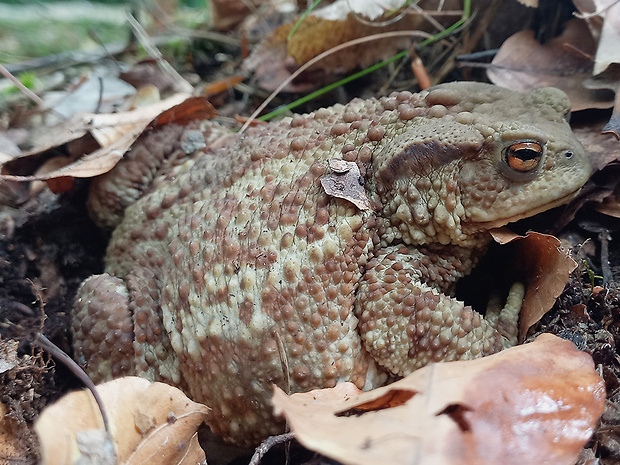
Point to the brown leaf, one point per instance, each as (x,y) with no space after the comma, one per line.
(537,403)
(610,204)
(150,423)
(602,149)
(346,182)
(147,73)
(115,133)
(610,80)
(613,126)
(565,62)
(544,267)
(56,185)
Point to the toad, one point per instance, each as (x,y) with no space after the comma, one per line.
(236,270)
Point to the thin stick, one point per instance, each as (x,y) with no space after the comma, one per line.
(144,39)
(30,94)
(48,345)
(267,444)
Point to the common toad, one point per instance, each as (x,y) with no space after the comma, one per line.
(236,270)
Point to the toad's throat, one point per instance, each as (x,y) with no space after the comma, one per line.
(475,226)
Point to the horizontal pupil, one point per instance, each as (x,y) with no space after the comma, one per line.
(527,154)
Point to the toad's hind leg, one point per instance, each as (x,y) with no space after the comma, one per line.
(117,329)
(406,321)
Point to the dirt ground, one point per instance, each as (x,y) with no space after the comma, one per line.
(48,245)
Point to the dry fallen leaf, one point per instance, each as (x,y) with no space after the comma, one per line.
(114,133)
(610,204)
(149,422)
(602,149)
(564,62)
(610,80)
(325,28)
(608,51)
(345,182)
(537,404)
(545,268)
(147,74)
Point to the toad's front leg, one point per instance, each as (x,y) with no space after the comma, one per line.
(406,321)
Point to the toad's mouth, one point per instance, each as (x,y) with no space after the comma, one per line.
(476,226)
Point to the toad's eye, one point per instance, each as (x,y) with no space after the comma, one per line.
(524,156)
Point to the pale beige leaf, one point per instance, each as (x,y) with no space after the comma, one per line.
(371,9)
(149,422)
(608,50)
(537,403)
(115,133)
(104,127)
(110,127)
(523,64)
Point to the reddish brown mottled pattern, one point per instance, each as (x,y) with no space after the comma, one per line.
(237,271)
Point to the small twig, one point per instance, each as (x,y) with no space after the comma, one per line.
(604,237)
(157,12)
(267,444)
(429,16)
(477,64)
(93,35)
(48,345)
(30,94)
(305,66)
(145,41)
(100,99)
(209,35)
(477,55)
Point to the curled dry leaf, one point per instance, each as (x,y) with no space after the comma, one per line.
(537,403)
(565,62)
(602,149)
(113,133)
(610,204)
(149,422)
(610,80)
(545,268)
(346,182)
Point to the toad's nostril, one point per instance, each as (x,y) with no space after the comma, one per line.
(568,154)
